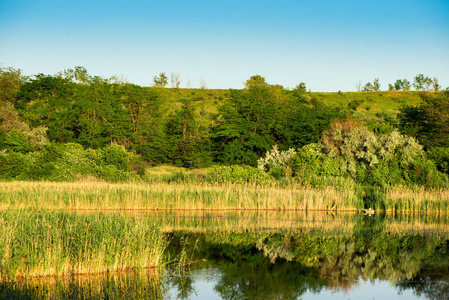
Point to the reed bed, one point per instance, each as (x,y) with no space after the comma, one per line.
(42,243)
(416,199)
(101,195)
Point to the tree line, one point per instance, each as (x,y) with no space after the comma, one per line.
(420,83)
(74,107)
(114,118)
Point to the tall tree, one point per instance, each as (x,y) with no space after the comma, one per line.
(244,125)
(10,81)
(429,121)
(187,137)
(251,121)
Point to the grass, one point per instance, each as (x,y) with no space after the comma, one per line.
(416,199)
(43,243)
(198,195)
(174,196)
(368,103)
(167,173)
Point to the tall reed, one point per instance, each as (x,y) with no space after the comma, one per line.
(416,199)
(100,195)
(42,243)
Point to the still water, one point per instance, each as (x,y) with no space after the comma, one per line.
(274,255)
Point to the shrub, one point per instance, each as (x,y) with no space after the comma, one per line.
(17,141)
(277,163)
(117,156)
(13,165)
(440,155)
(382,159)
(310,160)
(74,163)
(237,174)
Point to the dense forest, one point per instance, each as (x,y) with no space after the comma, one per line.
(72,125)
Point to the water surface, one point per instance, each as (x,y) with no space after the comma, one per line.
(278,255)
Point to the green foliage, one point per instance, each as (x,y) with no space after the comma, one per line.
(161,80)
(440,155)
(382,124)
(68,162)
(10,81)
(256,81)
(74,163)
(428,121)
(422,83)
(188,138)
(354,104)
(244,126)
(251,121)
(39,241)
(368,87)
(116,155)
(17,141)
(402,85)
(237,174)
(301,87)
(436,86)
(380,160)
(311,162)
(375,86)
(12,165)
(75,107)
(277,163)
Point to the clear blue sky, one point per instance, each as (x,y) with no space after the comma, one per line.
(329,45)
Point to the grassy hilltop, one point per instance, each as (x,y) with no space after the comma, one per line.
(363,104)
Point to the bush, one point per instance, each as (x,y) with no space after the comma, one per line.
(117,156)
(68,162)
(440,155)
(237,174)
(277,163)
(310,161)
(13,165)
(74,163)
(17,141)
(380,159)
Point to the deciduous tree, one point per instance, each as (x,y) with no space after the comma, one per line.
(161,80)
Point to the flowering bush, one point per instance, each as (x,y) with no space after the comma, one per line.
(277,163)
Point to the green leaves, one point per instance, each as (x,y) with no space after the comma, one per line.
(380,159)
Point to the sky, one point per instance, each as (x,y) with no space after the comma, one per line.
(330,45)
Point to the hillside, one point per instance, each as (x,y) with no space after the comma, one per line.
(55,115)
(364,104)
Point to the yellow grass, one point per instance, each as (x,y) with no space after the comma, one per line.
(102,195)
(416,199)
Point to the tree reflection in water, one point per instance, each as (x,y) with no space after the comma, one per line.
(412,254)
(286,264)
